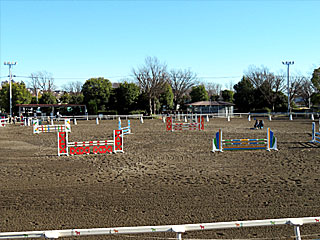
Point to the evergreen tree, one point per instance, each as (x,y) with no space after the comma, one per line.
(96,92)
(166,98)
(199,93)
(244,95)
(20,95)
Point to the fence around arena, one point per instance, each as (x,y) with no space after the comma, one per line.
(103,117)
(181,116)
(178,229)
(280,115)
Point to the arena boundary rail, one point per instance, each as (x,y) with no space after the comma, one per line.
(179,229)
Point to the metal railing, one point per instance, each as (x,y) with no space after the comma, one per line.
(179,229)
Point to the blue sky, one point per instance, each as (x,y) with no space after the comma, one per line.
(218,40)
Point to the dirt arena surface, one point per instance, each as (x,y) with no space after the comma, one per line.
(162,178)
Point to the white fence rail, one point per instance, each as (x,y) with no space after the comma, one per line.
(246,115)
(179,229)
(181,116)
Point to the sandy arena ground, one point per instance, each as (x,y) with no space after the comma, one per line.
(162,178)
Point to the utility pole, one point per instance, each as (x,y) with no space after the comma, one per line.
(10,64)
(288,64)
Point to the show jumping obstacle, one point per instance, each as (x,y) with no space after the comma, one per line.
(199,125)
(315,135)
(51,128)
(4,121)
(270,143)
(79,148)
(125,130)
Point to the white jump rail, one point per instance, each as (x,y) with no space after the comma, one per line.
(50,128)
(4,121)
(179,229)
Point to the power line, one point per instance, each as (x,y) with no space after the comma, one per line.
(223,77)
(76,77)
(130,76)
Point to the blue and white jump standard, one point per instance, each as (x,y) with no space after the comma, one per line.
(270,143)
(315,135)
(125,130)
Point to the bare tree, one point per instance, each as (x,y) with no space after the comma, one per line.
(151,78)
(213,89)
(295,87)
(181,81)
(43,81)
(73,87)
(34,83)
(229,85)
(269,84)
(306,90)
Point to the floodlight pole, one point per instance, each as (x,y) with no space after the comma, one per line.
(288,63)
(10,64)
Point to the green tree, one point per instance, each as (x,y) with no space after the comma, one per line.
(199,93)
(244,95)
(20,95)
(316,78)
(315,98)
(48,98)
(126,97)
(65,98)
(281,102)
(34,100)
(92,107)
(143,102)
(227,95)
(166,98)
(214,97)
(267,83)
(76,98)
(97,90)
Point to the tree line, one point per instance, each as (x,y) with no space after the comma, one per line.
(154,89)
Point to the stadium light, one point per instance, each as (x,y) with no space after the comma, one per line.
(288,63)
(10,64)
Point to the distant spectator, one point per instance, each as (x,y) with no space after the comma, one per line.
(256,124)
(261,124)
